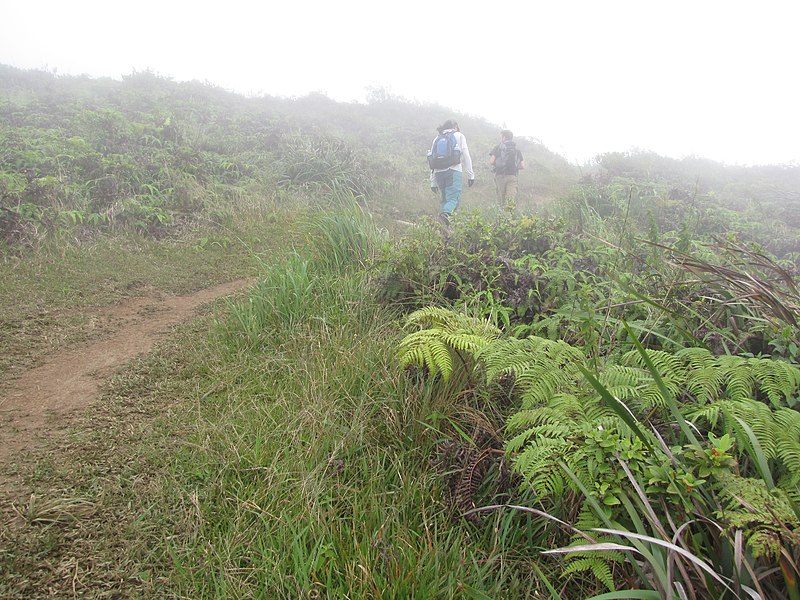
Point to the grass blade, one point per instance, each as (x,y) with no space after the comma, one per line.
(632,594)
(672,547)
(619,407)
(671,403)
(758,454)
(554,595)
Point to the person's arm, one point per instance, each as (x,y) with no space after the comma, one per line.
(466,159)
(493,157)
(434,187)
(521,160)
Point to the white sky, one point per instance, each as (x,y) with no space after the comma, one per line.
(718,79)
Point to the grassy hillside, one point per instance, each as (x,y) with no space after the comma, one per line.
(152,155)
(148,153)
(592,396)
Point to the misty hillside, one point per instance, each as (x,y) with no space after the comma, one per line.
(379,403)
(148,152)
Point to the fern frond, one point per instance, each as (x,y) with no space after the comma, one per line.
(792,489)
(426,348)
(541,419)
(469,480)
(704,382)
(787,444)
(540,459)
(760,419)
(518,441)
(696,358)
(587,519)
(669,366)
(436,317)
(531,418)
(541,368)
(464,342)
(711,413)
(549,483)
(651,397)
(542,432)
(594,412)
(738,380)
(568,406)
(777,379)
(749,505)
(789,420)
(515,355)
(789,454)
(597,565)
(623,382)
(443,333)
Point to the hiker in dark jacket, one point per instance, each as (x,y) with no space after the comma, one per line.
(506,162)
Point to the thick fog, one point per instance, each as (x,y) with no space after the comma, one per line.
(713,79)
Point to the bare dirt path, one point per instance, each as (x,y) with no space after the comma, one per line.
(39,403)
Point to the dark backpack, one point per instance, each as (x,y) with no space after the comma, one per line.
(507,162)
(445,152)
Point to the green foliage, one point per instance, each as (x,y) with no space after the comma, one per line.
(540,368)
(703,377)
(687,452)
(699,194)
(324,165)
(279,303)
(506,268)
(445,335)
(345,239)
(589,442)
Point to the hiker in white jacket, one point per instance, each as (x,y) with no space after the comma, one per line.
(447,180)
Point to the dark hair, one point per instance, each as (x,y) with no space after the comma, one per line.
(449,124)
(506,133)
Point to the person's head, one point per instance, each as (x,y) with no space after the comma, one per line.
(506,135)
(449,124)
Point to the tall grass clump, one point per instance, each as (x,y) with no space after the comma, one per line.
(324,166)
(279,301)
(345,239)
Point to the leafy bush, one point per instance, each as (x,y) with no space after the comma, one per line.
(628,436)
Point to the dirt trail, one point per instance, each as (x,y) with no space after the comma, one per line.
(38,403)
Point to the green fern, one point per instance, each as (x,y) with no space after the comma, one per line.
(563,420)
(538,463)
(766,515)
(777,432)
(698,376)
(778,380)
(447,333)
(597,565)
(541,368)
(548,431)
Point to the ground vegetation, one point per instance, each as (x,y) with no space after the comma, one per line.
(590,393)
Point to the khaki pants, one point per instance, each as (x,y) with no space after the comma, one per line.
(506,187)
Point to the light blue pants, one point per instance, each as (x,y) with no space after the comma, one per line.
(449,183)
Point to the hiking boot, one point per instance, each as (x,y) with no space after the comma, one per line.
(444,219)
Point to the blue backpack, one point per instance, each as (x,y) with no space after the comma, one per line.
(445,152)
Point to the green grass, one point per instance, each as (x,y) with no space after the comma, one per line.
(310,468)
(286,460)
(48,294)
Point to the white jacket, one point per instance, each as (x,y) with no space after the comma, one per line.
(466,159)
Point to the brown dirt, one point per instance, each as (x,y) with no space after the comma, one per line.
(39,403)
